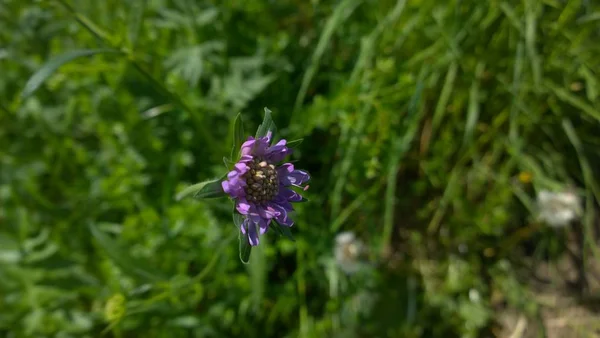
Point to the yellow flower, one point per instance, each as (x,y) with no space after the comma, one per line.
(525,177)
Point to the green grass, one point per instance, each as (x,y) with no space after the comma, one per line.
(417,119)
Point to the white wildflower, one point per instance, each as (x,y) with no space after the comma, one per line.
(348,250)
(558,209)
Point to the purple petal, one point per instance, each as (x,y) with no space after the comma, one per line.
(241,168)
(266,212)
(285,169)
(244,226)
(261,147)
(290,195)
(288,176)
(283,218)
(232,174)
(278,152)
(252,234)
(297,177)
(283,202)
(248,146)
(263,225)
(226,187)
(242,206)
(245,159)
(234,186)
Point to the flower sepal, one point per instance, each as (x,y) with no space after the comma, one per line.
(203,190)
(295,143)
(244,247)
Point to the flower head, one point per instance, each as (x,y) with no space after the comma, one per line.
(348,250)
(261,187)
(558,209)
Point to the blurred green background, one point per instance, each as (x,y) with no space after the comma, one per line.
(429,127)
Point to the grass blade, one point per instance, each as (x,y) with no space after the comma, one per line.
(42,74)
(367,44)
(122,258)
(473,113)
(586,168)
(346,162)
(400,145)
(342,11)
(440,108)
(573,100)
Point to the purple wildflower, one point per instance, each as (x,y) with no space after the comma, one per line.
(261,188)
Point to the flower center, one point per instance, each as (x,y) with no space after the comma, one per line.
(262,183)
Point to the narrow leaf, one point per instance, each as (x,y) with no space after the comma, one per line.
(122,258)
(267,125)
(206,189)
(36,80)
(294,143)
(238,136)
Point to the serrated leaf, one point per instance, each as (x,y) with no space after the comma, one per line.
(267,125)
(36,80)
(202,190)
(283,230)
(294,143)
(122,258)
(244,247)
(238,136)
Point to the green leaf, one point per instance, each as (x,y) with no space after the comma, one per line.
(245,246)
(121,257)
(36,80)
(228,163)
(267,125)
(238,136)
(283,230)
(202,190)
(294,143)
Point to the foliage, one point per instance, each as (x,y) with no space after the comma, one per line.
(428,128)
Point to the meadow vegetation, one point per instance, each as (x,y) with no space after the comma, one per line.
(430,127)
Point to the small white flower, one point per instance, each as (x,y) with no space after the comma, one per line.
(558,209)
(347,252)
